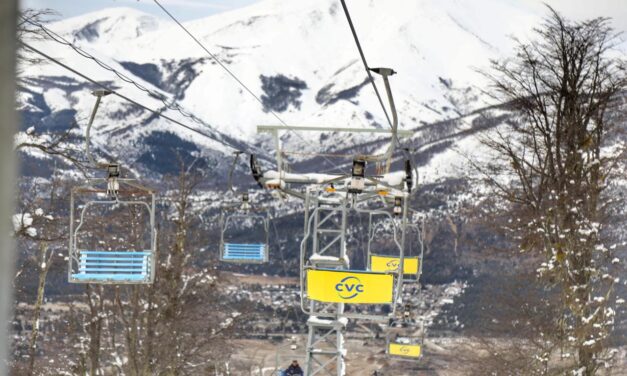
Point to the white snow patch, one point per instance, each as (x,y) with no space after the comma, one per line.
(57,99)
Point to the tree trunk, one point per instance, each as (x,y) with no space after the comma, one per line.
(44,266)
(95,328)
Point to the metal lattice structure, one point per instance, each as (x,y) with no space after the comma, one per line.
(330,289)
(329,203)
(325,346)
(325,340)
(324,247)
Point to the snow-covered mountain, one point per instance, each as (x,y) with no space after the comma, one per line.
(298,57)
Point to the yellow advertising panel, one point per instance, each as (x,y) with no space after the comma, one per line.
(336,286)
(390,264)
(409,351)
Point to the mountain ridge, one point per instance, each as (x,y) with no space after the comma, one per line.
(306,77)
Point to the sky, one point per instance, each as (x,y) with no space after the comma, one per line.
(183,9)
(193,9)
(582,9)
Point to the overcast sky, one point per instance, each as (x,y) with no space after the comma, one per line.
(191,9)
(581,9)
(183,9)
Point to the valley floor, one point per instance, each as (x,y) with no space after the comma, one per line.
(442,358)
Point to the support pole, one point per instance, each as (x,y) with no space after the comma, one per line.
(98,94)
(385,72)
(8,125)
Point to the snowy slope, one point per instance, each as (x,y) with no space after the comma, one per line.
(113,26)
(302,50)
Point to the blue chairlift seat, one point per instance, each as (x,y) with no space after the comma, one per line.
(106,266)
(237,252)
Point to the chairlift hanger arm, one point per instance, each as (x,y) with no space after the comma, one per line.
(385,73)
(236,153)
(99,94)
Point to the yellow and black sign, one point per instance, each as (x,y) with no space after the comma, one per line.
(407,351)
(337,286)
(411,265)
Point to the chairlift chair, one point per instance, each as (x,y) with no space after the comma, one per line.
(131,264)
(412,256)
(403,343)
(97,262)
(414,250)
(285,354)
(234,219)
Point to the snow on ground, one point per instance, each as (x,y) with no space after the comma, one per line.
(57,99)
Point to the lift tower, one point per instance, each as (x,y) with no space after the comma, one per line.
(327,281)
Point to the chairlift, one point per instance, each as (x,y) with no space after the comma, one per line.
(97,263)
(287,353)
(244,236)
(414,250)
(405,341)
(95,260)
(325,274)
(380,260)
(239,220)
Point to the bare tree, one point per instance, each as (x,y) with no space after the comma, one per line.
(178,325)
(39,234)
(27,32)
(54,145)
(552,165)
(96,303)
(190,311)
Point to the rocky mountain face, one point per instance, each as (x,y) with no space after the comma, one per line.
(299,60)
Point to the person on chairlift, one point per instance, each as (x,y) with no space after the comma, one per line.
(294,369)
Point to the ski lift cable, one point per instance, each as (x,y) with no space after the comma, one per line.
(59,39)
(363,59)
(116,93)
(240,82)
(172,105)
(374,85)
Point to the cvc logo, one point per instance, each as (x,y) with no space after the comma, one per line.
(349,287)
(392,264)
